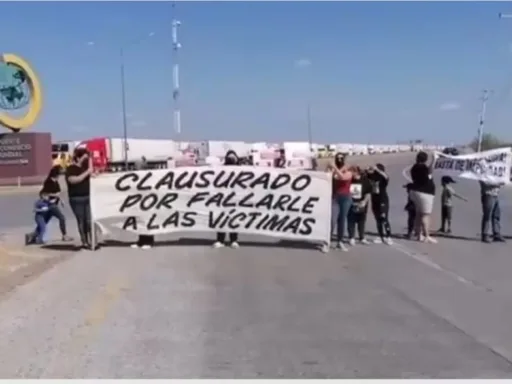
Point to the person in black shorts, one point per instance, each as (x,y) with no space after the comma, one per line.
(380,202)
(78,176)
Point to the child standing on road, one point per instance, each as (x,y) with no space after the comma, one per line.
(411,212)
(41,208)
(447,195)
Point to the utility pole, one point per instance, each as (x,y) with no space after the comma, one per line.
(175,73)
(484,98)
(123,106)
(310,130)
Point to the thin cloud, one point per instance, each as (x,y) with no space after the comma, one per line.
(450,106)
(302,63)
(90,43)
(139,123)
(78,128)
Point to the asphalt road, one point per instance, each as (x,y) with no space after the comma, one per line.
(271,310)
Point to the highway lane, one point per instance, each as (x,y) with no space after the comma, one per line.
(270,309)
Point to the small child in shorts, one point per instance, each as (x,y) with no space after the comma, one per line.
(447,196)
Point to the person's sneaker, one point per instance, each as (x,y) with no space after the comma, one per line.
(430,240)
(67,238)
(421,238)
(441,230)
(448,231)
(377,240)
(388,241)
(29,239)
(134,246)
(235,245)
(352,242)
(499,239)
(324,248)
(486,239)
(341,247)
(218,244)
(146,247)
(364,241)
(408,236)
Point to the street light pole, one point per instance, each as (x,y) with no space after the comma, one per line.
(484,99)
(310,131)
(123,106)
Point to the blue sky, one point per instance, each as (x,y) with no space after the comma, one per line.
(373,71)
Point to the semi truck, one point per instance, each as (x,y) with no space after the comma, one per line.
(108,154)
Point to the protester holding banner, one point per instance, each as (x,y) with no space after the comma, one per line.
(491,212)
(380,202)
(231,158)
(144,241)
(360,191)
(342,199)
(422,195)
(78,176)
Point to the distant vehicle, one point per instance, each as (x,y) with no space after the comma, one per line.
(61,155)
(108,154)
(452,151)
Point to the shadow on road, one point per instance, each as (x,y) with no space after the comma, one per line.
(195,242)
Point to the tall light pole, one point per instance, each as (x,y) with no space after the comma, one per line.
(123,90)
(175,73)
(484,98)
(305,64)
(123,110)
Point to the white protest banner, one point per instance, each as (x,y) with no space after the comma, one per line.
(289,204)
(490,166)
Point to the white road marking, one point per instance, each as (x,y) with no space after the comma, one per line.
(423,259)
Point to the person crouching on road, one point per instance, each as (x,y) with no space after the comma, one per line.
(447,196)
(360,191)
(41,211)
(380,202)
(231,158)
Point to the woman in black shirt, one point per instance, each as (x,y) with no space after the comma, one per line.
(380,202)
(422,195)
(51,188)
(78,176)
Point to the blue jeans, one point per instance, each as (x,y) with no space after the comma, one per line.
(40,227)
(491,214)
(340,207)
(80,205)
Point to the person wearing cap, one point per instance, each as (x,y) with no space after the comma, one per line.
(78,176)
(447,195)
